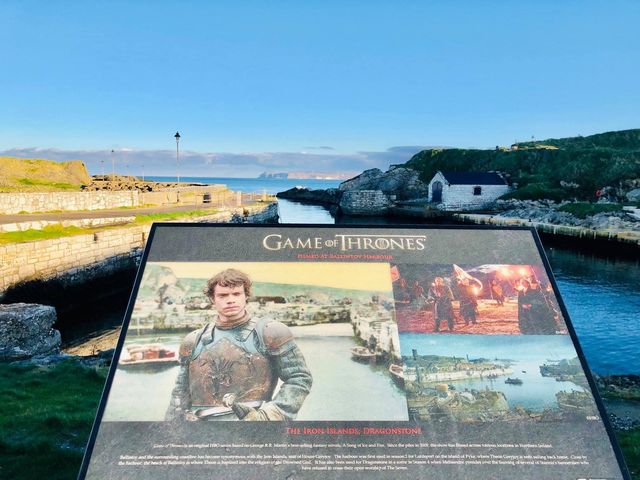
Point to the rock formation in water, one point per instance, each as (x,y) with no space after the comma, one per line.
(401,182)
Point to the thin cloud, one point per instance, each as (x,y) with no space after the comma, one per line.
(220,164)
(319,148)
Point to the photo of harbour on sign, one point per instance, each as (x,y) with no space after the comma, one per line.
(475,299)
(487,378)
(300,341)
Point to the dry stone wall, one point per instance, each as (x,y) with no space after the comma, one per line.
(37,202)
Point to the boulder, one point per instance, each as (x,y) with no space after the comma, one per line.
(402,182)
(633,195)
(25,331)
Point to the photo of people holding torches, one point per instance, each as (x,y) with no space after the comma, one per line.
(476,299)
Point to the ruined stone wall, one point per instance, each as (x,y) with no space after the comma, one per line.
(364,202)
(12,203)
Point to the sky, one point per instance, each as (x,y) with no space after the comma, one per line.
(352,276)
(307,86)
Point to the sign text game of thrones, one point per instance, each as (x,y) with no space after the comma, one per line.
(348,352)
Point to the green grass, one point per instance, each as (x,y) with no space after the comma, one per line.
(538,191)
(45,419)
(43,183)
(160,217)
(57,231)
(586,209)
(47,233)
(630,445)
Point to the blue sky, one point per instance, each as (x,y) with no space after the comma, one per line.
(255,86)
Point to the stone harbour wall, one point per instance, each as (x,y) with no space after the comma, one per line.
(76,257)
(38,202)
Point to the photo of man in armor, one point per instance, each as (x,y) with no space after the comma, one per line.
(229,368)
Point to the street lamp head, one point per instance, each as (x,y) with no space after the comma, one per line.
(177,135)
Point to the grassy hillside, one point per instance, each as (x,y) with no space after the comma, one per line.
(37,175)
(590,162)
(625,140)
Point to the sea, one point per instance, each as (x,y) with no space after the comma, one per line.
(255,185)
(601,291)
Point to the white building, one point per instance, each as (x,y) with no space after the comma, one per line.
(466,190)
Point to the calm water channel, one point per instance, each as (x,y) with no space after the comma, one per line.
(334,396)
(524,354)
(602,296)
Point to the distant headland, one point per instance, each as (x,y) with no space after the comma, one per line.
(308,175)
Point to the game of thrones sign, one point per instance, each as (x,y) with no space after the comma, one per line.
(348,352)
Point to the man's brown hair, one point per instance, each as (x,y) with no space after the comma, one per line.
(228,278)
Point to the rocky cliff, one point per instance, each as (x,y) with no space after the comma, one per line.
(401,182)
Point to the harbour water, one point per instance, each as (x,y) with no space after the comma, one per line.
(341,387)
(602,295)
(525,355)
(258,185)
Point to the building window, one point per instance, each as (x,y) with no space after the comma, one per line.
(477,190)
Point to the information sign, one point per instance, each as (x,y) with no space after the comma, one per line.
(348,352)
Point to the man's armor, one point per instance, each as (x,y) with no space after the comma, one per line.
(243,363)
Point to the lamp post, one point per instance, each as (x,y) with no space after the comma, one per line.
(177,137)
(113,171)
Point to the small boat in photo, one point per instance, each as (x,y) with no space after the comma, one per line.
(148,356)
(513,381)
(362,354)
(397,373)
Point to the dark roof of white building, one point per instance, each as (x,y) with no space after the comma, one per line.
(473,178)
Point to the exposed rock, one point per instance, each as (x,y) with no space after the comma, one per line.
(330,196)
(569,185)
(399,181)
(364,202)
(25,331)
(633,195)
(101,359)
(546,211)
(267,215)
(126,182)
(367,180)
